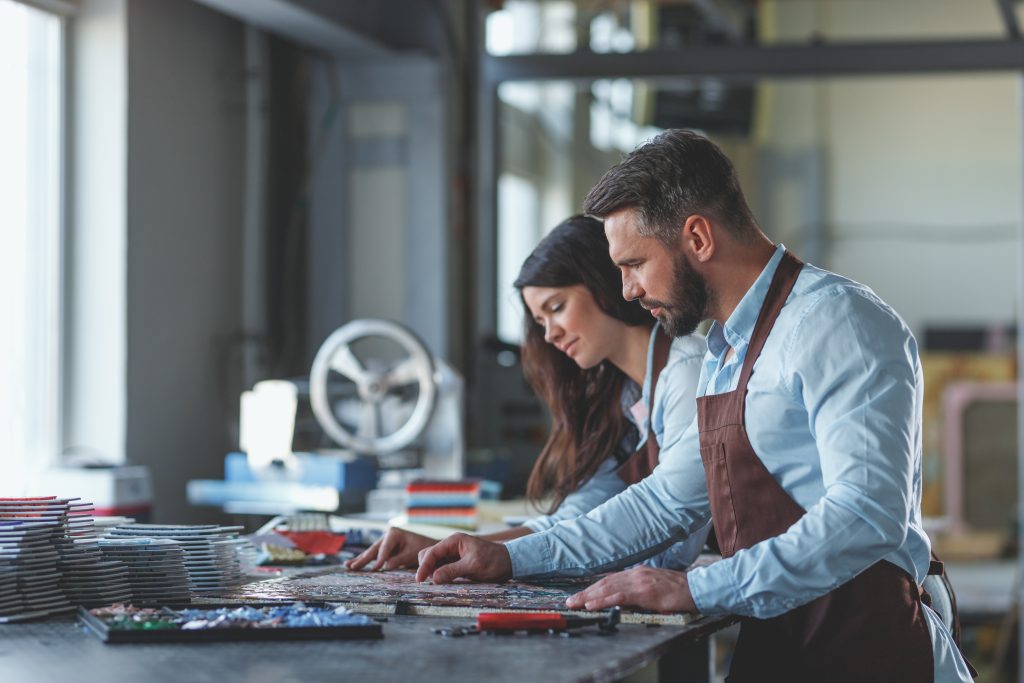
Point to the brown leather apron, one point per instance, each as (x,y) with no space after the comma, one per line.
(871,628)
(645,459)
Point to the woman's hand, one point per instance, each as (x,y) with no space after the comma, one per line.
(398,548)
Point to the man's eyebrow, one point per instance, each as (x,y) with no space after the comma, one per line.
(629,261)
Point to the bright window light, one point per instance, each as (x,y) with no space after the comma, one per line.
(529,26)
(31,51)
(518,234)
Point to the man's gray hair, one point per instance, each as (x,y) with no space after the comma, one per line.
(670,178)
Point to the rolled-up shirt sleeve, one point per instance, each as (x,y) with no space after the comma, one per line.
(853,365)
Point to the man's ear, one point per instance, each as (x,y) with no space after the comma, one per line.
(697,239)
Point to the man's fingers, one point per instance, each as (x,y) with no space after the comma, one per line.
(604,593)
(450,572)
(429,560)
(613,587)
(603,587)
(662,590)
(438,554)
(605,601)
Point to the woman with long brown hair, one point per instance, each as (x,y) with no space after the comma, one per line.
(607,373)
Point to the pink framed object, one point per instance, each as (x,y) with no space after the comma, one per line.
(957,397)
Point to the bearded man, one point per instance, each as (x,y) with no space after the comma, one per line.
(805,452)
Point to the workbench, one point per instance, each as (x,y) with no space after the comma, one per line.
(61,650)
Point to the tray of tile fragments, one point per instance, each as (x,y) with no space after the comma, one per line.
(190,624)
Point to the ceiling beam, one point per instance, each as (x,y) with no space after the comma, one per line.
(301,26)
(756,61)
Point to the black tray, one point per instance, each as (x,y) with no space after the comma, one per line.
(115,636)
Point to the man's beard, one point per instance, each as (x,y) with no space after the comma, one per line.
(691,299)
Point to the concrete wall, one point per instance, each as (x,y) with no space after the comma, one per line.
(185,170)
(921,179)
(925,195)
(380,234)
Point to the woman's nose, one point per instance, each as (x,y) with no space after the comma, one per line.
(552,332)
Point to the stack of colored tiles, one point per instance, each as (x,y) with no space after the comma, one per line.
(86,576)
(449,503)
(209,550)
(155,568)
(30,529)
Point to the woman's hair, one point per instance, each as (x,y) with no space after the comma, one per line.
(587,420)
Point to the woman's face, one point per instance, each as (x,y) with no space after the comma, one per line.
(574,323)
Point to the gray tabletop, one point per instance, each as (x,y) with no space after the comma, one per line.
(60,650)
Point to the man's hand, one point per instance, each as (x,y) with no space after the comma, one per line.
(465,556)
(661,590)
(398,548)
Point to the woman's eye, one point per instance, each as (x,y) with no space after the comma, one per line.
(556,308)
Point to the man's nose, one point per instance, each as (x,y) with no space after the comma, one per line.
(631,289)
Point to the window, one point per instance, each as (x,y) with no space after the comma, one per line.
(518,234)
(31,211)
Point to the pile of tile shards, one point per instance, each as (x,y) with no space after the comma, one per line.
(34,532)
(209,551)
(132,624)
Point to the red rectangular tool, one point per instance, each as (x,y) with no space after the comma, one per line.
(542,621)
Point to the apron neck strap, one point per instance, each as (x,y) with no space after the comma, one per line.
(782,284)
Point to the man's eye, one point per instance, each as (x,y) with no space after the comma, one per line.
(556,308)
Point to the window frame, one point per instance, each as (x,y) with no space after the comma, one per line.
(62,11)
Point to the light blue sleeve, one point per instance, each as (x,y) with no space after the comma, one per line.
(675,403)
(854,366)
(645,519)
(675,407)
(682,554)
(605,484)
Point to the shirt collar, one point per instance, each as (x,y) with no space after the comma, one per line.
(740,326)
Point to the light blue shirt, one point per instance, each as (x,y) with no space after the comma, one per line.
(675,396)
(833,410)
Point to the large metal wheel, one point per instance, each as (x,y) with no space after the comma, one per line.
(373,386)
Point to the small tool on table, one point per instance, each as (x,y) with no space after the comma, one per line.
(553,623)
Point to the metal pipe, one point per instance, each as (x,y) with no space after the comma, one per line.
(1018,584)
(254,315)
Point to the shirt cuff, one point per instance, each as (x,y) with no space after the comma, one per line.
(713,590)
(538,524)
(527,554)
